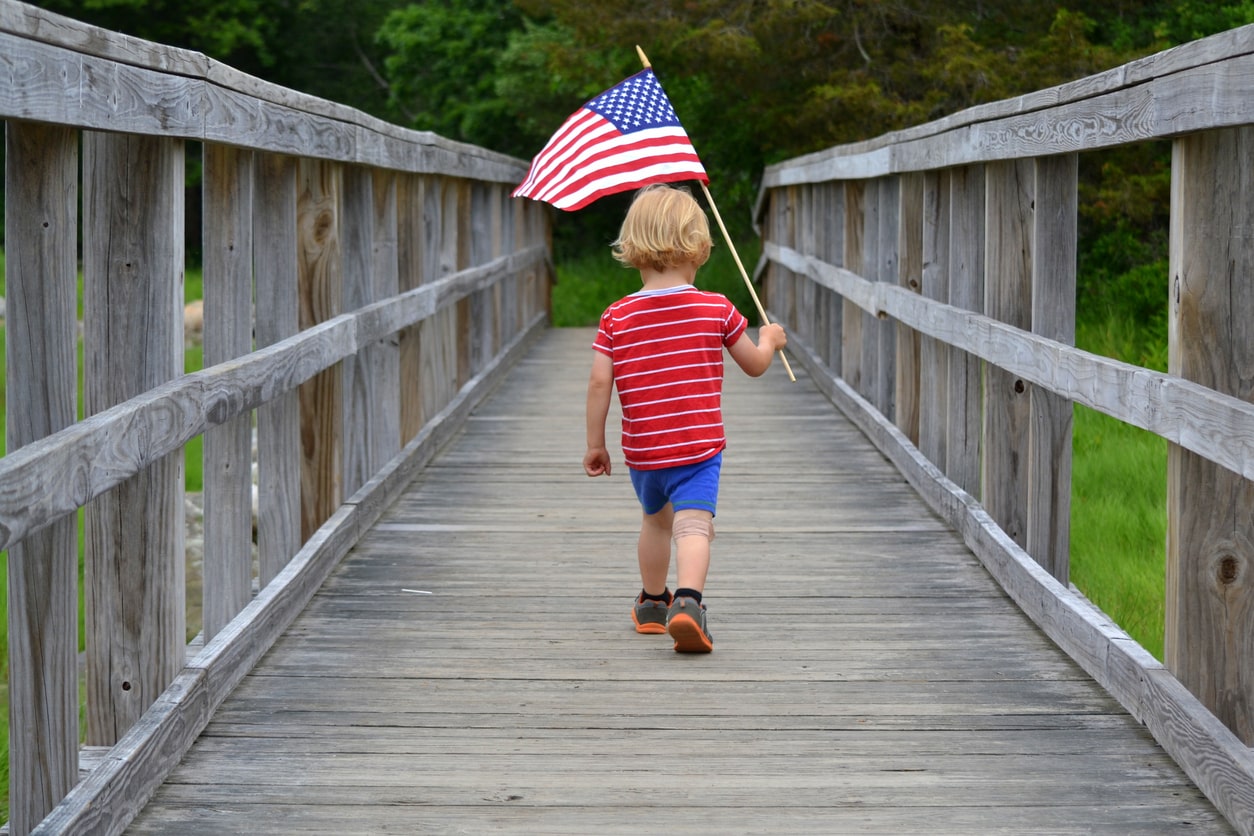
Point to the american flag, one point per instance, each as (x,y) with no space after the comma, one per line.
(625,138)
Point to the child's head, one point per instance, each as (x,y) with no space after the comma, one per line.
(664,227)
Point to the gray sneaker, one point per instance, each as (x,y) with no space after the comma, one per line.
(686,624)
(649,616)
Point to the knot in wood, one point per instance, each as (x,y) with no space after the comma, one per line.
(1229,570)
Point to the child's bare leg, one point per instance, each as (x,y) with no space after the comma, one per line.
(654,550)
(692,530)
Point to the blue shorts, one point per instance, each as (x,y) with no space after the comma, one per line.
(689,486)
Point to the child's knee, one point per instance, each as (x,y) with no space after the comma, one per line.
(692,526)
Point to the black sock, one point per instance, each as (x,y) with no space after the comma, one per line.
(664,597)
(691,593)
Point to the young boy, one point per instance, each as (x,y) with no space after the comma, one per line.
(662,347)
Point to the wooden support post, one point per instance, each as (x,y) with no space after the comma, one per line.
(413,246)
(228,296)
(458,232)
(278,317)
(832,250)
(934,353)
(851,327)
(1209,643)
(321,276)
(910,277)
(1010,187)
(1053,315)
(383,359)
(966,290)
(869,268)
(133,341)
(357,251)
(885,270)
(41,277)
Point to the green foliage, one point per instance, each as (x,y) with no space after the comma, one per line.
(589,283)
(442,66)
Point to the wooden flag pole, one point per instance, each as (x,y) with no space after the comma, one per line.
(735,255)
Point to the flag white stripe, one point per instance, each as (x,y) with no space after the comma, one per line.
(628,148)
(577,131)
(626,178)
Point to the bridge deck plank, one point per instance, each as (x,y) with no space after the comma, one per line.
(470,666)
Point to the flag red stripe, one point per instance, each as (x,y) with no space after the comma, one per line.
(617,158)
(618,171)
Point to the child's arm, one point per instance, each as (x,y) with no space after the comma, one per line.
(596,462)
(756,359)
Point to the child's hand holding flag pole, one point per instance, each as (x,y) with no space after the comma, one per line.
(625,138)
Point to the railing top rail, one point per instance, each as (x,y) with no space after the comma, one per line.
(1151,98)
(134,86)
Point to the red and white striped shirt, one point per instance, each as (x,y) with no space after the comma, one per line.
(667,348)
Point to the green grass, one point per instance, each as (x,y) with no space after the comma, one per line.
(1119,497)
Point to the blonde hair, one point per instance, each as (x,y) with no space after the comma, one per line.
(664,227)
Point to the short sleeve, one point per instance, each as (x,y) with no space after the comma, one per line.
(604,341)
(733,325)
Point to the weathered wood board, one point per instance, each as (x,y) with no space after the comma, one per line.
(470,666)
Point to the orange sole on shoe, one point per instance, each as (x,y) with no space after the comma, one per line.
(652,627)
(688,635)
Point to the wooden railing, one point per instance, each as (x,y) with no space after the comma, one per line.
(927,279)
(363,285)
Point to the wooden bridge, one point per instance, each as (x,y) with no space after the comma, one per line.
(424,625)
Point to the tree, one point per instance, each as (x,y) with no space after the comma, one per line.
(441,68)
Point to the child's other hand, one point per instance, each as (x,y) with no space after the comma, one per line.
(772,335)
(596,462)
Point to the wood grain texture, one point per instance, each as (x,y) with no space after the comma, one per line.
(66,72)
(278,420)
(1010,192)
(134,586)
(470,665)
(1213,757)
(1210,510)
(41,279)
(1055,244)
(1208,422)
(228,334)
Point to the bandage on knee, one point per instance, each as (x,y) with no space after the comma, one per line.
(692,527)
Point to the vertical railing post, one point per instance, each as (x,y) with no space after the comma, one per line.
(1209,642)
(41,274)
(133,341)
(805,313)
(228,295)
(413,245)
(851,326)
(869,268)
(278,317)
(885,271)
(1008,256)
(832,250)
(384,359)
(321,276)
(360,396)
(458,231)
(966,291)
(934,353)
(909,277)
(1053,316)
(440,355)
